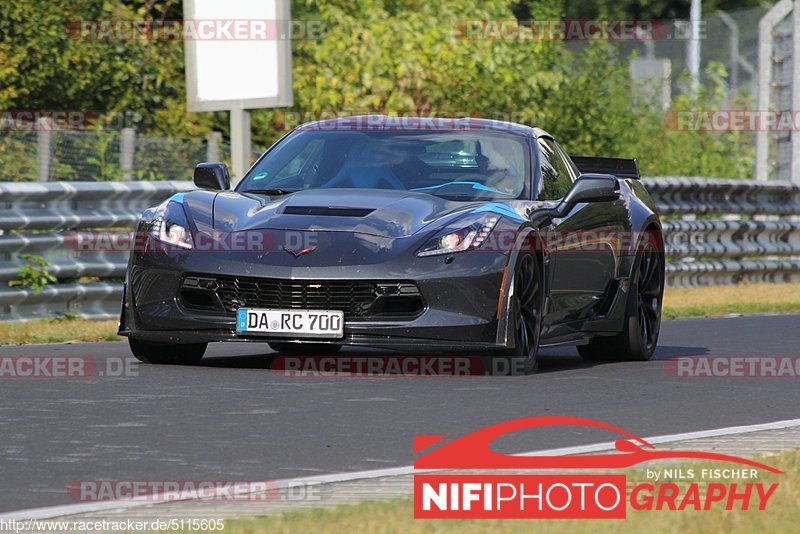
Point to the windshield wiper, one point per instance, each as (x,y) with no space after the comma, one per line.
(268,191)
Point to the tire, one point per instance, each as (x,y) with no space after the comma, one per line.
(526,304)
(639,336)
(159,353)
(304,349)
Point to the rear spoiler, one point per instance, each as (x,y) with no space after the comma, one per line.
(622,168)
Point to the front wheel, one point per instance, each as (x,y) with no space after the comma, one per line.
(526,303)
(160,353)
(639,336)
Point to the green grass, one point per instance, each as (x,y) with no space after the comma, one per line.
(723,300)
(57,331)
(397,515)
(678,302)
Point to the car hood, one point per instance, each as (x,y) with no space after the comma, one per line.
(385,213)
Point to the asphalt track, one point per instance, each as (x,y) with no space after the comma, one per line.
(233,419)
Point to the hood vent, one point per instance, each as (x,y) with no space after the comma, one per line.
(334,211)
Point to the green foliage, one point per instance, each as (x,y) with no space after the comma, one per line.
(675,152)
(387,56)
(71,314)
(34,274)
(596,110)
(18,155)
(47,63)
(647,9)
(408,57)
(54,69)
(105,158)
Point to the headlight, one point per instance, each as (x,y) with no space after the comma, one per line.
(171,226)
(462,235)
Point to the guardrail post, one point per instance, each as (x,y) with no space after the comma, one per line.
(127,149)
(795,139)
(766,26)
(44,138)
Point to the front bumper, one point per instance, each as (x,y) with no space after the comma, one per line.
(460,296)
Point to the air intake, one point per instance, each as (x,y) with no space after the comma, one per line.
(331,211)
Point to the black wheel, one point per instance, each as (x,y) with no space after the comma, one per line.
(159,353)
(304,349)
(639,336)
(526,312)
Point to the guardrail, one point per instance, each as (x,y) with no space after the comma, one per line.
(743,231)
(715,196)
(41,217)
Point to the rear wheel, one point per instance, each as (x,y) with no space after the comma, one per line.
(160,353)
(639,336)
(304,349)
(526,313)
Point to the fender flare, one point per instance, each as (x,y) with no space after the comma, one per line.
(504,335)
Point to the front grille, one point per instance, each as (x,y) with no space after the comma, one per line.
(354,298)
(357,299)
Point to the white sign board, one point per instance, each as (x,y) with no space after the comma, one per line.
(238,54)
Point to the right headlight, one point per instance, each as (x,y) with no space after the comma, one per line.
(171,226)
(464,234)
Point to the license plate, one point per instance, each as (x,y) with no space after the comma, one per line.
(291,323)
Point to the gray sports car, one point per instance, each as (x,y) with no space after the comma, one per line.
(418,235)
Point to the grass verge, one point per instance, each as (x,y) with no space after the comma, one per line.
(57,331)
(722,300)
(398,516)
(678,302)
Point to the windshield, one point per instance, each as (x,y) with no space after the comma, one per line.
(455,165)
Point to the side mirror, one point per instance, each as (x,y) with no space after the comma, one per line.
(587,188)
(592,188)
(212,176)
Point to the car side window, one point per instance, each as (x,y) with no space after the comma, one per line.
(572,169)
(556,175)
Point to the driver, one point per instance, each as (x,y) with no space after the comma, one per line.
(499,165)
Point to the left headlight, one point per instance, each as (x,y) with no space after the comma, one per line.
(464,234)
(171,226)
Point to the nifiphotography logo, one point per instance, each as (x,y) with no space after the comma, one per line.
(572,495)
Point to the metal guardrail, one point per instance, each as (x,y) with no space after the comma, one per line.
(42,217)
(742,231)
(715,196)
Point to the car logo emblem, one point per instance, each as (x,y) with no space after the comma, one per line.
(298,253)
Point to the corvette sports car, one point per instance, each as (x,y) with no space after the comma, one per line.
(416,235)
